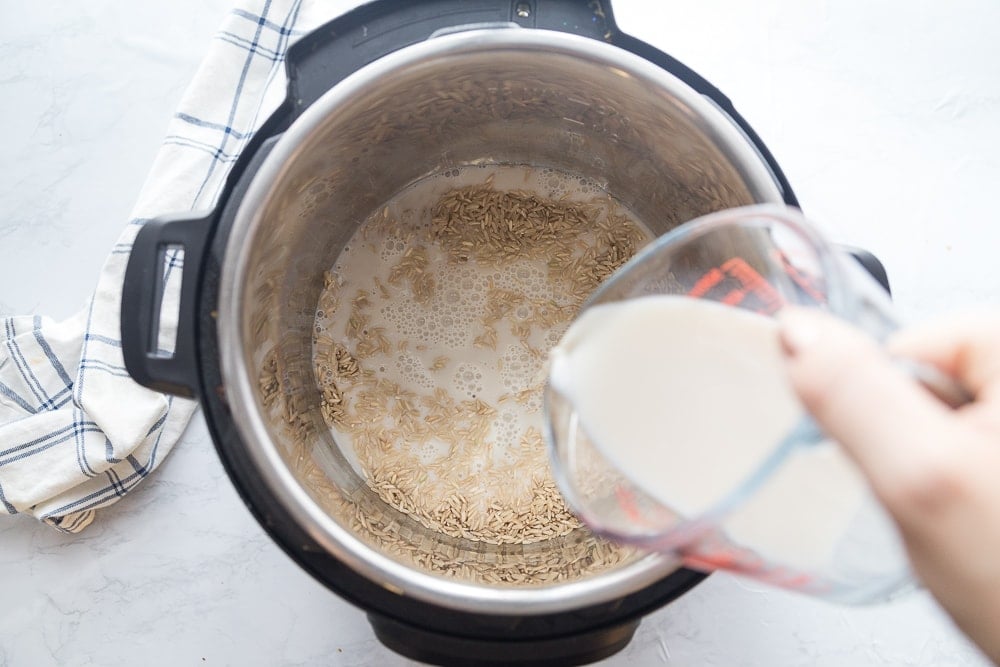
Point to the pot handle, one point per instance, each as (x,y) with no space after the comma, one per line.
(315,63)
(869,263)
(154,254)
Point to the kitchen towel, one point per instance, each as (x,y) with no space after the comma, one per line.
(76,433)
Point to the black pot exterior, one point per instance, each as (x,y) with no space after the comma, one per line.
(411,627)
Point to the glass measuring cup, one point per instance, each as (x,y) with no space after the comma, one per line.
(794,513)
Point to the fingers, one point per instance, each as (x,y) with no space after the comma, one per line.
(933,468)
(896,431)
(966,347)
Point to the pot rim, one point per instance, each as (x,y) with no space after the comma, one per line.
(338,541)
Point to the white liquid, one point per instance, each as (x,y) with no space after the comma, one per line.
(435,345)
(687,397)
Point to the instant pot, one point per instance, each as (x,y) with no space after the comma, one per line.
(389,93)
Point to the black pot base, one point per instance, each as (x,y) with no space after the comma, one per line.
(447,649)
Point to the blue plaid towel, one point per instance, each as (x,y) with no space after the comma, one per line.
(76,433)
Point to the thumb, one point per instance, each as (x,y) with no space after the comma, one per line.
(893,428)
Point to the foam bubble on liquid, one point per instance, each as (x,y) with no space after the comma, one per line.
(413,369)
(432,451)
(432,343)
(468,380)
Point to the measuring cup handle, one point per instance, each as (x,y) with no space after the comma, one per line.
(944,387)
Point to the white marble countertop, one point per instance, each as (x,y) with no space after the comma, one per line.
(884,116)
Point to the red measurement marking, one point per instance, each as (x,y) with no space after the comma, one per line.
(714,551)
(805,283)
(710,562)
(707,282)
(626,500)
(743,282)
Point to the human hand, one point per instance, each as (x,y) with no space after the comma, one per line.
(936,470)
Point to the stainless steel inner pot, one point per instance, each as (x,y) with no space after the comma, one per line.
(500,96)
